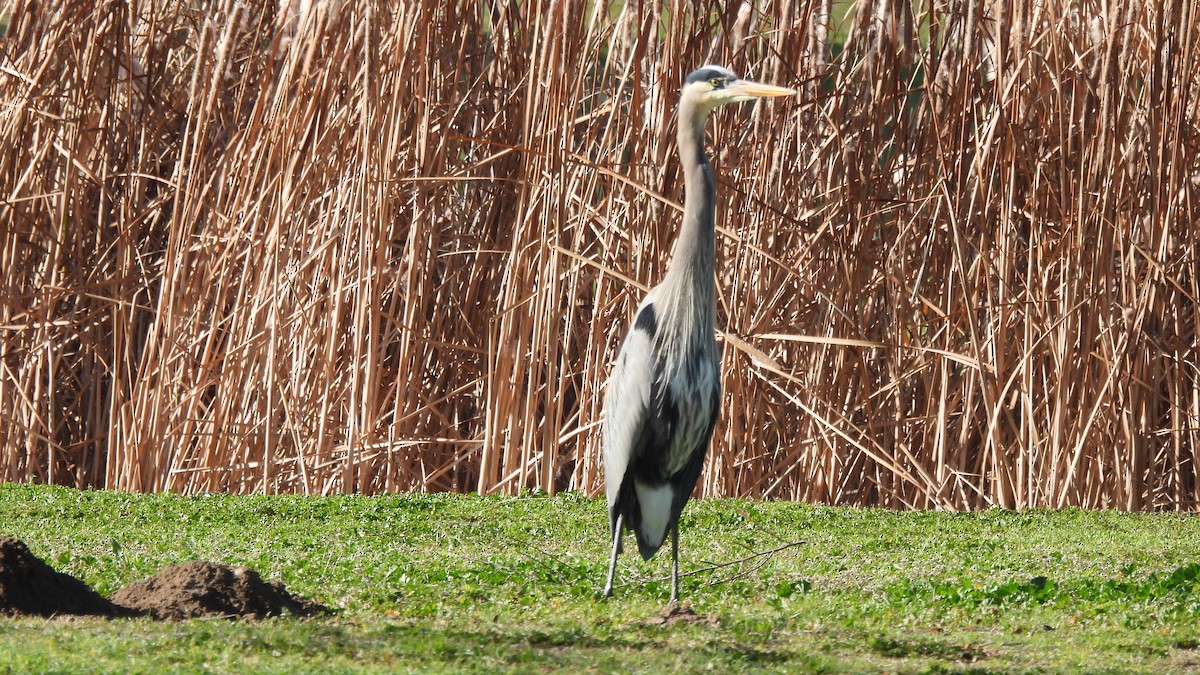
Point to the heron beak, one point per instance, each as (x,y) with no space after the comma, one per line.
(744,90)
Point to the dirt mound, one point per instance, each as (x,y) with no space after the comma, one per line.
(678,613)
(30,587)
(203,589)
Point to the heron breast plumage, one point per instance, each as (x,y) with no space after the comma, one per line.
(693,392)
(675,409)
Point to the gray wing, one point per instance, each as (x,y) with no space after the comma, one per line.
(628,401)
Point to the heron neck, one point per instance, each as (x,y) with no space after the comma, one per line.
(690,273)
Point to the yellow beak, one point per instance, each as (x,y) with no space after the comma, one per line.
(750,89)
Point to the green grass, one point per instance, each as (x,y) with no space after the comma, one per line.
(468,583)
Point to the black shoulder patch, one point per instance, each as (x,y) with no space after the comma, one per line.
(647,321)
(705,74)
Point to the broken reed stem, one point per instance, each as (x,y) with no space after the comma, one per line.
(320,247)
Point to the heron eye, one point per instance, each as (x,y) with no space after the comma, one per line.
(715,82)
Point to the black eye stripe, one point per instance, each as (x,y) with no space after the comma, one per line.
(708,75)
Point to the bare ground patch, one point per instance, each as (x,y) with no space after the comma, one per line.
(190,590)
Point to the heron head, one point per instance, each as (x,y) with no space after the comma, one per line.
(713,86)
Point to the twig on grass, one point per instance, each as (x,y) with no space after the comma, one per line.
(764,555)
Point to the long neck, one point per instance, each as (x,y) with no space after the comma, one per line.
(690,289)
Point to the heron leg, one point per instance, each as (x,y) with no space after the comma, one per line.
(675,563)
(612,561)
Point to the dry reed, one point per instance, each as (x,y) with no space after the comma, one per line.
(326,246)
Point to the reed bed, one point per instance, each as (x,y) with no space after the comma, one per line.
(322,246)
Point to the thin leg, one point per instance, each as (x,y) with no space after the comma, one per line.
(675,563)
(612,562)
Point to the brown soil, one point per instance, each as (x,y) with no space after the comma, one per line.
(198,589)
(678,613)
(201,589)
(30,587)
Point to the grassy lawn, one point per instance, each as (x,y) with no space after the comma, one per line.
(468,583)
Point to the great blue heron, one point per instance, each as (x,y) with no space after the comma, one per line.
(662,397)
